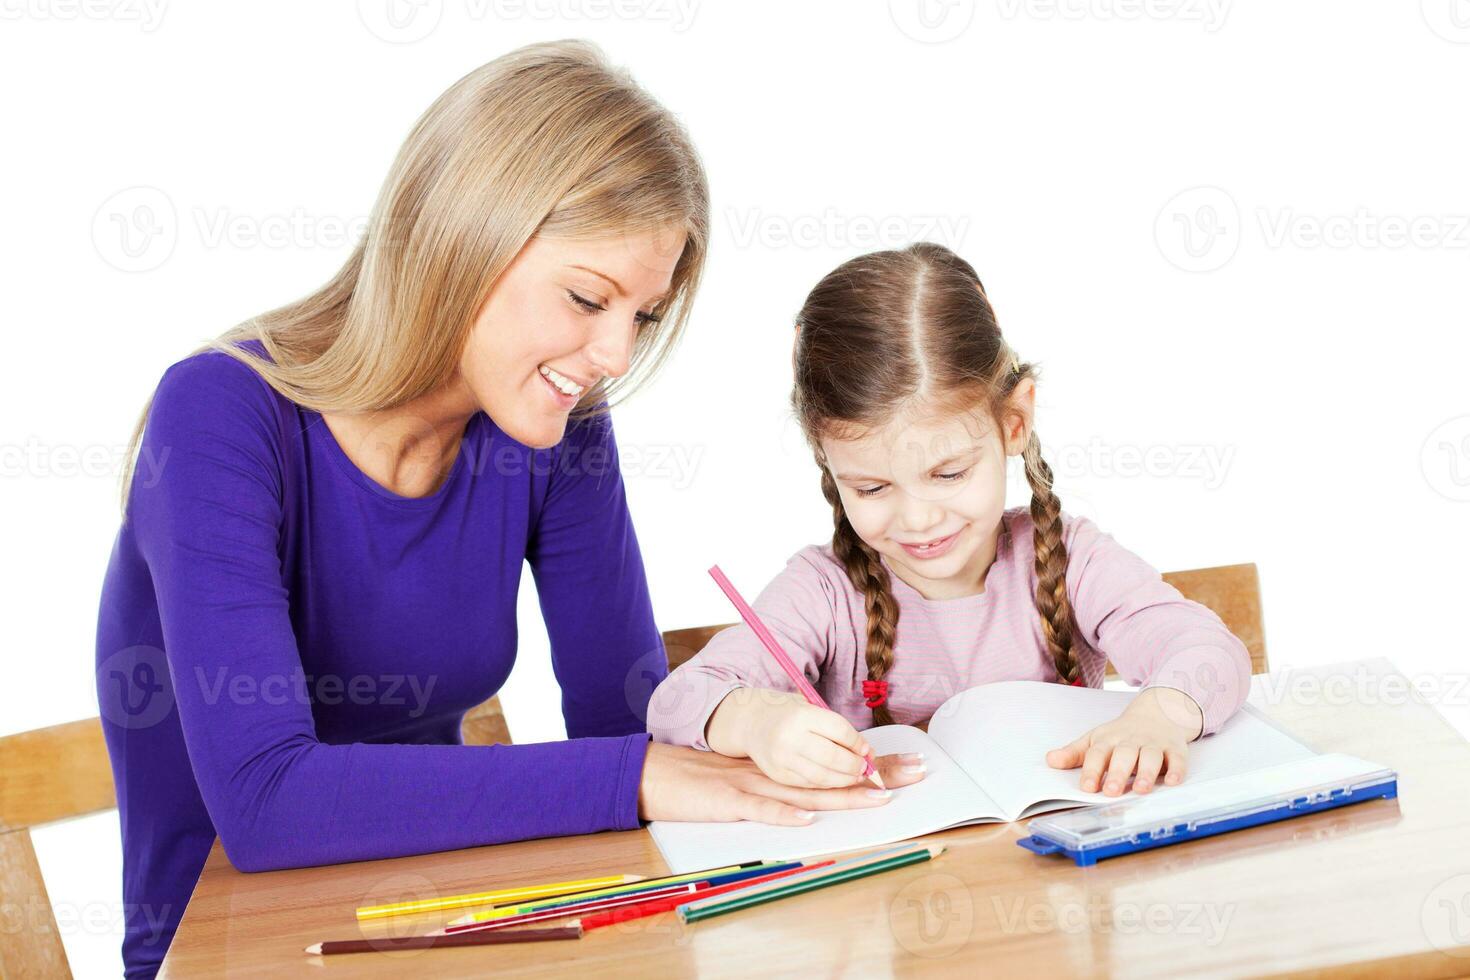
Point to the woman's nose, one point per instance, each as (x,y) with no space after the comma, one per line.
(611,348)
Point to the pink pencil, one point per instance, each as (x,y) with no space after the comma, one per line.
(769,642)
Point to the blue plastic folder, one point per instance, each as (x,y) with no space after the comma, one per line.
(1174,814)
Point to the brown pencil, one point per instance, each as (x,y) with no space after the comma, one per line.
(485,938)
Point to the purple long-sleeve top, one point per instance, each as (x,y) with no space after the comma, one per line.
(285,649)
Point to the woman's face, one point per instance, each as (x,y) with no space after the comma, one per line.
(561,317)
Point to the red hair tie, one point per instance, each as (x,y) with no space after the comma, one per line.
(875,693)
(1079,682)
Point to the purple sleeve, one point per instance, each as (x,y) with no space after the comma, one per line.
(606,651)
(1153,635)
(278,798)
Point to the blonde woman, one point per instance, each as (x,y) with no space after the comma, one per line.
(319,576)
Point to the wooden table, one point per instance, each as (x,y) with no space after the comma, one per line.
(1369,889)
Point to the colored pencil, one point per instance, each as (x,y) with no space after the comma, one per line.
(518,907)
(653,907)
(573,904)
(686,892)
(631,912)
(702,909)
(769,642)
(492,897)
(387,945)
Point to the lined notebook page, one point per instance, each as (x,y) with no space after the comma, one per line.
(1000,734)
(943,798)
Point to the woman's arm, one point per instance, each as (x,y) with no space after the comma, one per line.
(605,649)
(208,529)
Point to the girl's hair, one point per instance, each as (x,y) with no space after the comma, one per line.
(893,329)
(549,138)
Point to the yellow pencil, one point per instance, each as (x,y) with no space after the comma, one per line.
(503,911)
(494,897)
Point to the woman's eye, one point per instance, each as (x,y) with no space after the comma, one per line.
(951,477)
(585,303)
(646,318)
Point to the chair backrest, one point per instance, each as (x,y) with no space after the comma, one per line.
(1232,592)
(46,775)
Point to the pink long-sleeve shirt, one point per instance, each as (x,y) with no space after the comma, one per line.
(1123,609)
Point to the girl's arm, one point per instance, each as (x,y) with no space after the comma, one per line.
(1194,672)
(733,698)
(798,608)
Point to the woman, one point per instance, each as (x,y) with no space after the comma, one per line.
(318,577)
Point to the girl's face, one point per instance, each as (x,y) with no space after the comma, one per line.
(561,317)
(927,493)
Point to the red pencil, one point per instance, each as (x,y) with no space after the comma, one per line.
(774,649)
(643,909)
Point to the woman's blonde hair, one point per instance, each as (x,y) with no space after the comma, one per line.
(548,139)
(879,332)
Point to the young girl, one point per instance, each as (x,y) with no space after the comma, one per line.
(912,401)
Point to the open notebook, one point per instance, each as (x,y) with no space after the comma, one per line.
(986,752)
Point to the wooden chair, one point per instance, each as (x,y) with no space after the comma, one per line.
(46,775)
(1233,592)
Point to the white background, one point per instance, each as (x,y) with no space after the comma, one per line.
(1193,214)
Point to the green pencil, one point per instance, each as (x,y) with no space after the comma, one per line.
(695,911)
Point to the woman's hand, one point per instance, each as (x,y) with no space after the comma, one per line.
(1153,732)
(797,743)
(687,784)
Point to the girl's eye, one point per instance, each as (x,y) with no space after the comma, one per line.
(586,304)
(952,477)
(867,491)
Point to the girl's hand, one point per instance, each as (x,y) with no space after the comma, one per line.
(799,744)
(687,784)
(1152,732)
